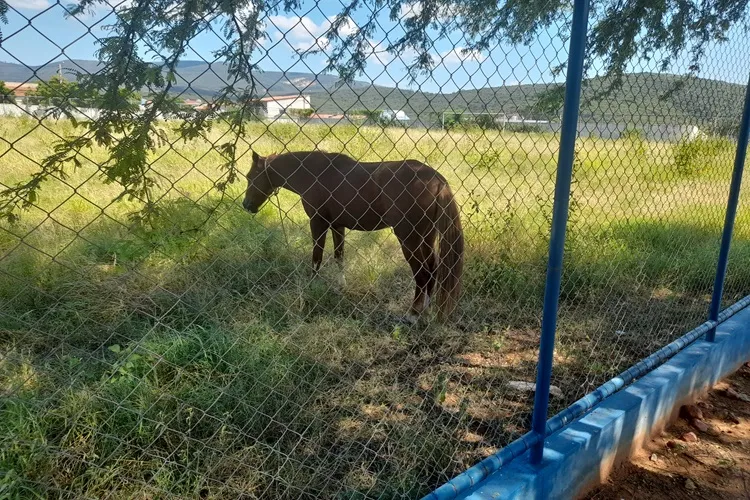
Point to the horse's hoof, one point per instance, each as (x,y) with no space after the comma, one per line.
(410,319)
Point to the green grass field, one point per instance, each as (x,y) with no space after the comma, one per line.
(196,357)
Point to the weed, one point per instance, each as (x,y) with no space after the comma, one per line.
(195,356)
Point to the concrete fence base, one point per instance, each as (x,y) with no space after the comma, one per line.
(581,455)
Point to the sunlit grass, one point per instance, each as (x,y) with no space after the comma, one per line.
(196,356)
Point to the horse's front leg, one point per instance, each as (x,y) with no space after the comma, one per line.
(338,252)
(319,229)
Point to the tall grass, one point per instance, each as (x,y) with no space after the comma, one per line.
(196,356)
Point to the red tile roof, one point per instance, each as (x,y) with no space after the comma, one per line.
(21,89)
(280,97)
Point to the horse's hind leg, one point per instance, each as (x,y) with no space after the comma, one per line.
(421,258)
(429,256)
(338,251)
(319,229)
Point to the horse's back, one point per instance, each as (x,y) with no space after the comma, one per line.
(410,190)
(370,195)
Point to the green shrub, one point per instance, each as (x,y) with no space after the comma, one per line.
(486,122)
(635,141)
(632,134)
(524,128)
(300,113)
(699,155)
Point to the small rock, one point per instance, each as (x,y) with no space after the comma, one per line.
(654,457)
(737,395)
(731,417)
(555,391)
(691,412)
(725,440)
(470,437)
(700,425)
(689,484)
(671,444)
(689,437)
(461,361)
(531,387)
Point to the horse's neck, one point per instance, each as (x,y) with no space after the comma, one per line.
(281,174)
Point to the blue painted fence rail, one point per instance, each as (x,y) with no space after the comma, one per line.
(561,203)
(483,469)
(734,197)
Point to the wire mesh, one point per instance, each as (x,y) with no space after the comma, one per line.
(197,353)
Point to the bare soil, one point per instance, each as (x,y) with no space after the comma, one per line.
(716,465)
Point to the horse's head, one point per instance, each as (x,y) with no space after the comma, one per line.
(259,186)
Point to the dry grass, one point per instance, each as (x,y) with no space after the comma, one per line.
(197,357)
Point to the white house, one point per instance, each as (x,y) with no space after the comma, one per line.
(394,115)
(279,104)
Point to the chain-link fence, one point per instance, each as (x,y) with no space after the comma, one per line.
(158,339)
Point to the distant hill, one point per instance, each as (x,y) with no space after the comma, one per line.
(13,72)
(639,100)
(195,78)
(643,98)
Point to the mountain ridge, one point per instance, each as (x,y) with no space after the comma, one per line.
(639,99)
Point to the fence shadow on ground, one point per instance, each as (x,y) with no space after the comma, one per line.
(208,356)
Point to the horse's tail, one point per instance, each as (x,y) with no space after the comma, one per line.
(451,253)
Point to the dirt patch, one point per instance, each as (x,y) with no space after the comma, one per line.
(704,454)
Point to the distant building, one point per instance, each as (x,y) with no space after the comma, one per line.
(276,106)
(394,115)
(326,116)
(21,91)
(516,119)
(693,133)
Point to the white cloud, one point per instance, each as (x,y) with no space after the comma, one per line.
(445,13)
(296,27)
(300,33)
(244,14)
(311,44)
(378,53)
(29,4)
(459,55)
(411,9)
(303,34)
(347,27)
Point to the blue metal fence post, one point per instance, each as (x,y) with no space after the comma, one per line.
(565,159)
(734,196)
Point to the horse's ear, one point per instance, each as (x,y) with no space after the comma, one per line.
(255,157)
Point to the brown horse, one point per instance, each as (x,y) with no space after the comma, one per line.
(341,193)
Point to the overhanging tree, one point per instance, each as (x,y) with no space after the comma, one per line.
(6,95)
(621,31)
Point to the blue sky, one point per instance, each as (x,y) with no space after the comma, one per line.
(38,32)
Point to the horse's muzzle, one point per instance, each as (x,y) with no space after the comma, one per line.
(249,207)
